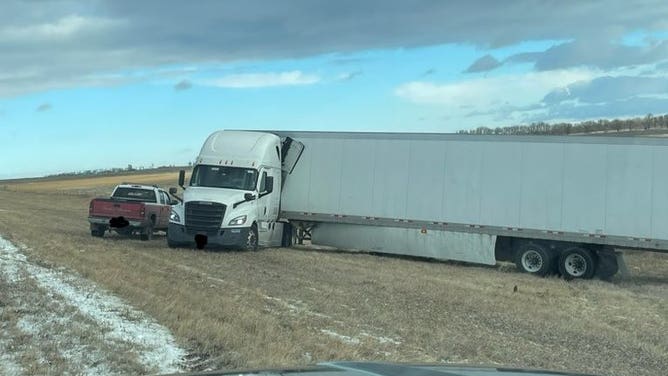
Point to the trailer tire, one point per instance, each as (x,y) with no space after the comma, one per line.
(533,258)
(251,240)
(577,262)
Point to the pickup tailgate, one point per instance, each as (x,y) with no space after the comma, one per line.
(111,208)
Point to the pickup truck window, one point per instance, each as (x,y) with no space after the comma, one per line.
(137,194)
(224,177)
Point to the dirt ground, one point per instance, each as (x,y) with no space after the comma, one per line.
(291,307)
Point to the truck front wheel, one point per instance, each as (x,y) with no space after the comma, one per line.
(577,262)
(533,258)
(251,239)
(171,243)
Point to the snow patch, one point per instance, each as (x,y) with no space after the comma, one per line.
(297,306)
(341,337)
(381,339)
(8,365)
(157,350)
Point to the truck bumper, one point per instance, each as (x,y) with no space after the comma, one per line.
(225,237)
(102,221)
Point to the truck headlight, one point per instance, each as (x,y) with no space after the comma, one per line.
(238,221)
(174,217)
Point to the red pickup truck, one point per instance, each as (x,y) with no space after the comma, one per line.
(131,209)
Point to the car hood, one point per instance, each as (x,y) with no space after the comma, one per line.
(392,369)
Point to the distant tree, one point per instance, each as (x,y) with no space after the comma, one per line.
(649,121)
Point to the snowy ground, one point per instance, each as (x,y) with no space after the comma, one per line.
(54,322)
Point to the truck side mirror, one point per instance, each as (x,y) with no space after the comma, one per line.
(172,191)
(249,197)
(182,178)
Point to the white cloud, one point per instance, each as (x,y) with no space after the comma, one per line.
(482,94)
(64,41)
(269,79)
(62,28)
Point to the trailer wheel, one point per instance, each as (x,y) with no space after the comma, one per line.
(251,240)
(577,262)
(533,258)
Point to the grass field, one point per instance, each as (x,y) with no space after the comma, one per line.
(290,307)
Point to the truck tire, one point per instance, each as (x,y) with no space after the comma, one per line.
(251,240)
(147,233)
(286,240)
(534,259)
(171,243)
(97,232)
(577,262)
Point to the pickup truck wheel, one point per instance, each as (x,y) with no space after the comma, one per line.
(97,232)
(577,262)
(533,258)
(147,233)
(251,240)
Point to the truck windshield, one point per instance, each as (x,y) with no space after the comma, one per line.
(136,194)
(224,177)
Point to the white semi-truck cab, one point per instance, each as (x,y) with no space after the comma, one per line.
(233,198)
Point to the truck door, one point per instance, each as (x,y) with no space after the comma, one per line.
(168,209)
(263,208)
(165,209)
(291,151)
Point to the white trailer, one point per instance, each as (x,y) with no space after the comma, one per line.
(546,203)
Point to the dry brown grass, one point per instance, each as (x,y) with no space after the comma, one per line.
(91,185)
(285,307)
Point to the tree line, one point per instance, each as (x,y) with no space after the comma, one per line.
(114,171)
(636,124)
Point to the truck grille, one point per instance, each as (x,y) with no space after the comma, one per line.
(204,216)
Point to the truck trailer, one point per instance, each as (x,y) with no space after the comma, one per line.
(547,203)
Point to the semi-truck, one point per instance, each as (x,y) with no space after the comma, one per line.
(550,204)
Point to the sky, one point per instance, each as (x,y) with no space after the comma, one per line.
(100,84)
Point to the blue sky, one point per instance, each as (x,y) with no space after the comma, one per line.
(89,85)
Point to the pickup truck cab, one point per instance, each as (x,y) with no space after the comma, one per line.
(131,209)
